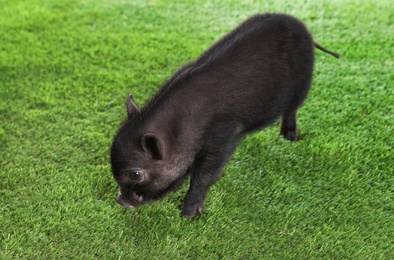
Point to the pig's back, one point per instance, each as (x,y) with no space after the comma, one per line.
(251,75)
(246,80)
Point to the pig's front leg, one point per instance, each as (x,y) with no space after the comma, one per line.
(205,171)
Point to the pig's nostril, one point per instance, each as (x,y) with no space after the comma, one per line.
(122,201)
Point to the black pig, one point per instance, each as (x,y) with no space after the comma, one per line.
(258,72)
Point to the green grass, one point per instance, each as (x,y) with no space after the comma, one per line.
(66,68)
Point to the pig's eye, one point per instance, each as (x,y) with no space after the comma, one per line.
(134,175)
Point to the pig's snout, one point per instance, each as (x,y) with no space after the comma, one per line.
(124,202)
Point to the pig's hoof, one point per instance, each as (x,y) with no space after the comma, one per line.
(190,212)
(290,135)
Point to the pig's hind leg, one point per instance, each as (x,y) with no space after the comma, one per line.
(288,126)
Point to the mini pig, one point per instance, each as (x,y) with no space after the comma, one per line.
(260,71)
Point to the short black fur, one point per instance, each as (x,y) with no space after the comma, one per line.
(258,72)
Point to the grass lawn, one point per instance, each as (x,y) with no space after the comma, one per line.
(66,68)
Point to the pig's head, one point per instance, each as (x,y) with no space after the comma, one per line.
(138,162)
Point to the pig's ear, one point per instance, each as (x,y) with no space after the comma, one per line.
(152,146)
(132,108)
